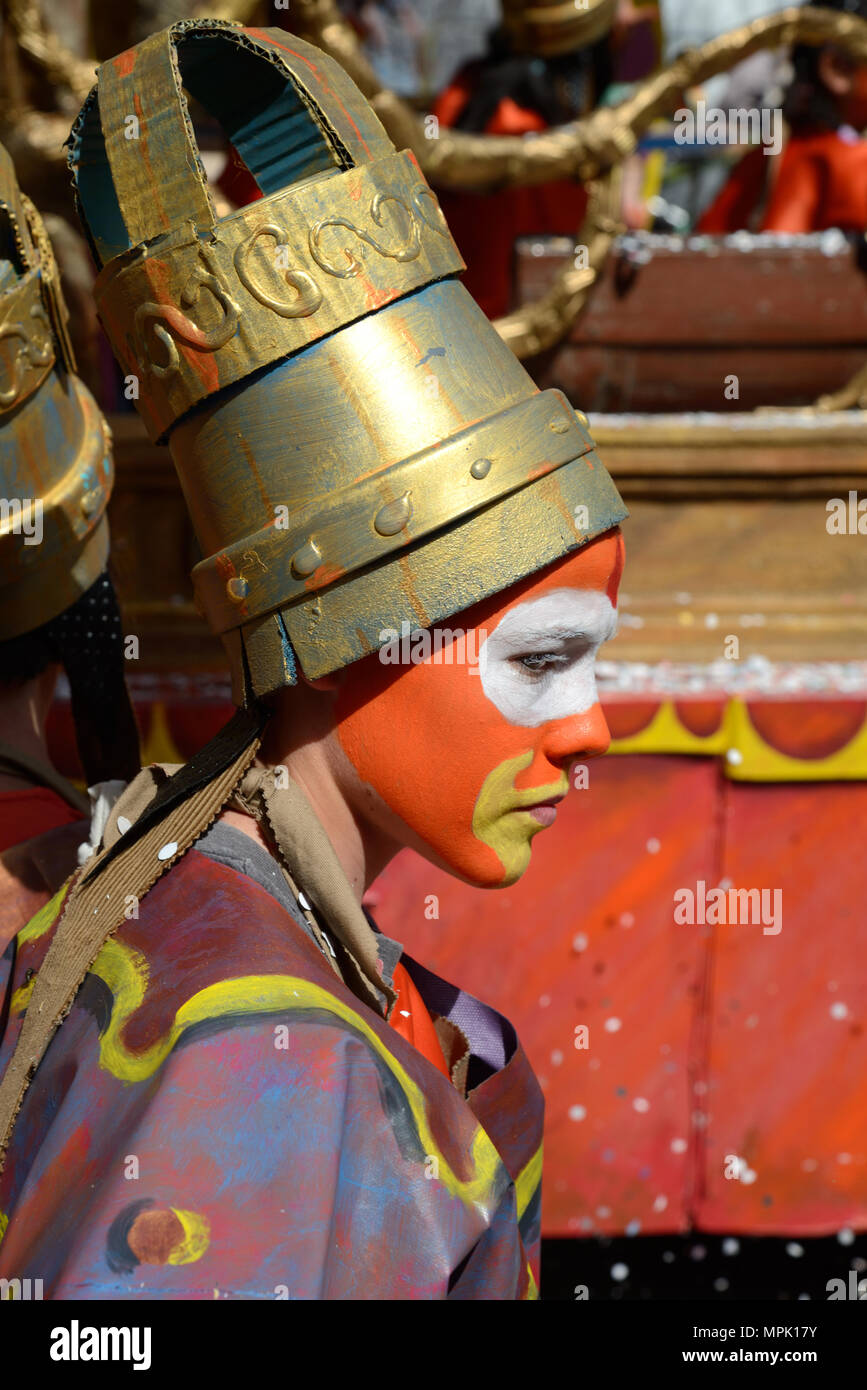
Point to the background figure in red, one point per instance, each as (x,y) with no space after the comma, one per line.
(526,82)
(58,608)
(820,180)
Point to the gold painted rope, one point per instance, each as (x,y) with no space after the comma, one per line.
(583,148)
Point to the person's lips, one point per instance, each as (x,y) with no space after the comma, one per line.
(545,812)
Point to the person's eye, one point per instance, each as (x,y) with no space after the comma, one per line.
(536,663)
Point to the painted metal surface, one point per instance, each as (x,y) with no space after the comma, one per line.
(356,445)
(720,1082)
(56,469)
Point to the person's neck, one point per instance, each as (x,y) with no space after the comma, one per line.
(23,716)
(362,850)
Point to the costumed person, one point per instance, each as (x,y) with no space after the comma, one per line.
(411,555)
(820,180)
(546,64)
(58,610)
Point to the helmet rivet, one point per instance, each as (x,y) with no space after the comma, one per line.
(306,560)
(393,516)
(91,500)
(237,589)
(558,426)
(481,468)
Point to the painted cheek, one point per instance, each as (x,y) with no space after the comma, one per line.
(427,742)
(612,588)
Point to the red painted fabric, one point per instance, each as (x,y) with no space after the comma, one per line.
(739,196)
(485,225)
(821,183)
(412,1020)
(704,1042)
(29,812)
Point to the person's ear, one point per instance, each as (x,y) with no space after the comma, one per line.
(835,71)
(329,682)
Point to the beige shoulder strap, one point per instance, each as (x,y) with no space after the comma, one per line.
(95,908)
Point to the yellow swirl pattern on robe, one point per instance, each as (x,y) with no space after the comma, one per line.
(125,972)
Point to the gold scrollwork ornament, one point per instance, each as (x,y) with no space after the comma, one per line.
(182,327)
(406,251)
(309,295)
(35,351)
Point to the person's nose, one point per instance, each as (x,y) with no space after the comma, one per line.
(584,735)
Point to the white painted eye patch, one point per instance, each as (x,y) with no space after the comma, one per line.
(557,636)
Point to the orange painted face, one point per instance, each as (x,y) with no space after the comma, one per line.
(461,728)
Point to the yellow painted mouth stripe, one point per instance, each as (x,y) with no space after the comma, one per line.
(508,837)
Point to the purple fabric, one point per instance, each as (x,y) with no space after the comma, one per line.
(491,1037)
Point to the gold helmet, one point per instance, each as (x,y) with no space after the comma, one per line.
(562,26)
(56,468)
(357,446)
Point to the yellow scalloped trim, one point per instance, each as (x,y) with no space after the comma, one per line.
(748,757)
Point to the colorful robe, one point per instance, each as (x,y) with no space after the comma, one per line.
(31,872)
(219,1116)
